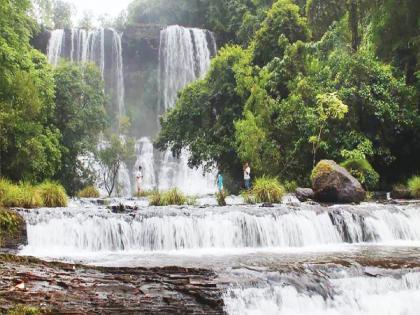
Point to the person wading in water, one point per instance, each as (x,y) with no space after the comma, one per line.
(247,176)
(139,179)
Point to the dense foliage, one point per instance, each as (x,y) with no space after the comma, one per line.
(47,117)
(305,88)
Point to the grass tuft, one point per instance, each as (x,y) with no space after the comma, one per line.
(363,172)
(53,194)
(221,198)
(265,189)
(89,192)
(414,186)
(170,197)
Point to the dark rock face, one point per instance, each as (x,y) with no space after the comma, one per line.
(75,289)
(304,194)
(12,230)
(333,183)
(400,192)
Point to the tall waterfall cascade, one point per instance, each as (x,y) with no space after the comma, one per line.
(103,48)
(184,56)
(100,46)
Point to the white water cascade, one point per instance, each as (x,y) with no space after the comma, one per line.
(184,56)
(100,46)
(353,294)
(145,159)
(233,228)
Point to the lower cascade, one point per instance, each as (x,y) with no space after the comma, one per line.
(237,227)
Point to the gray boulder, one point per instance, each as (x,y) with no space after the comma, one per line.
(333,183)
(304,194)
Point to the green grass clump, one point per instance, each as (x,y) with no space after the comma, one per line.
(170,197)
(30,197)
(144,193)
(221,198)
(89,192)
(363,172)
(174,197)
(53,194)
(414,186)
(5,186)
(265,189)
(290,186)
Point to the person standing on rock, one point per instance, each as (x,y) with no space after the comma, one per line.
(139,179)
(247,176)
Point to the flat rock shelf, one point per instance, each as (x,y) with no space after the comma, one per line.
(61,288)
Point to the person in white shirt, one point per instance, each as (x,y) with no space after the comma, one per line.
(247,176)
(139,179)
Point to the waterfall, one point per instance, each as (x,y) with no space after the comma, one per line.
(184,56)
(168,230)
(145,159)
(55,47)
(357,294)
(101,47)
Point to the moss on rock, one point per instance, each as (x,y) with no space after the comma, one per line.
(12,229)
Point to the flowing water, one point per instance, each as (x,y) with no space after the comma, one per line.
(184,56)
(289,259)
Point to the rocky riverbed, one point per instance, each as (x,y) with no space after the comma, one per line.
(60,288)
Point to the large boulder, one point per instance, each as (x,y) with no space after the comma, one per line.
(333,183)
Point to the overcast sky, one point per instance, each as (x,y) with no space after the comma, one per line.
(99,7)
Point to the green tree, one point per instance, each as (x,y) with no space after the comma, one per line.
(111,157)
(80,116)
(87,20)
(62,14)
(282,25)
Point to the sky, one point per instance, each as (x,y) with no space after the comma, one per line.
(99,7)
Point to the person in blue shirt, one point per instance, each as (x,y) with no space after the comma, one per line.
(220,182)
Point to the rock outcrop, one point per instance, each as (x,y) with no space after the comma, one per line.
(59,288)
(333,183)
(12,230)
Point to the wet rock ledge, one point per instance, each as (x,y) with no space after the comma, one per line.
(59,288)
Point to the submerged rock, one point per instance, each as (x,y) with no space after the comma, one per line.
(333,183)
(304,194)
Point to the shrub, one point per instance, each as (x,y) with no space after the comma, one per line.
(156,199)
(363,172)
(249,198)
(192,200)
(144,193)
(5,185)
(290,186)
(170,197)
(89,192)
(29,197)
(174,197)
(414,186)
(267,189)
(53,194)
(12,197)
